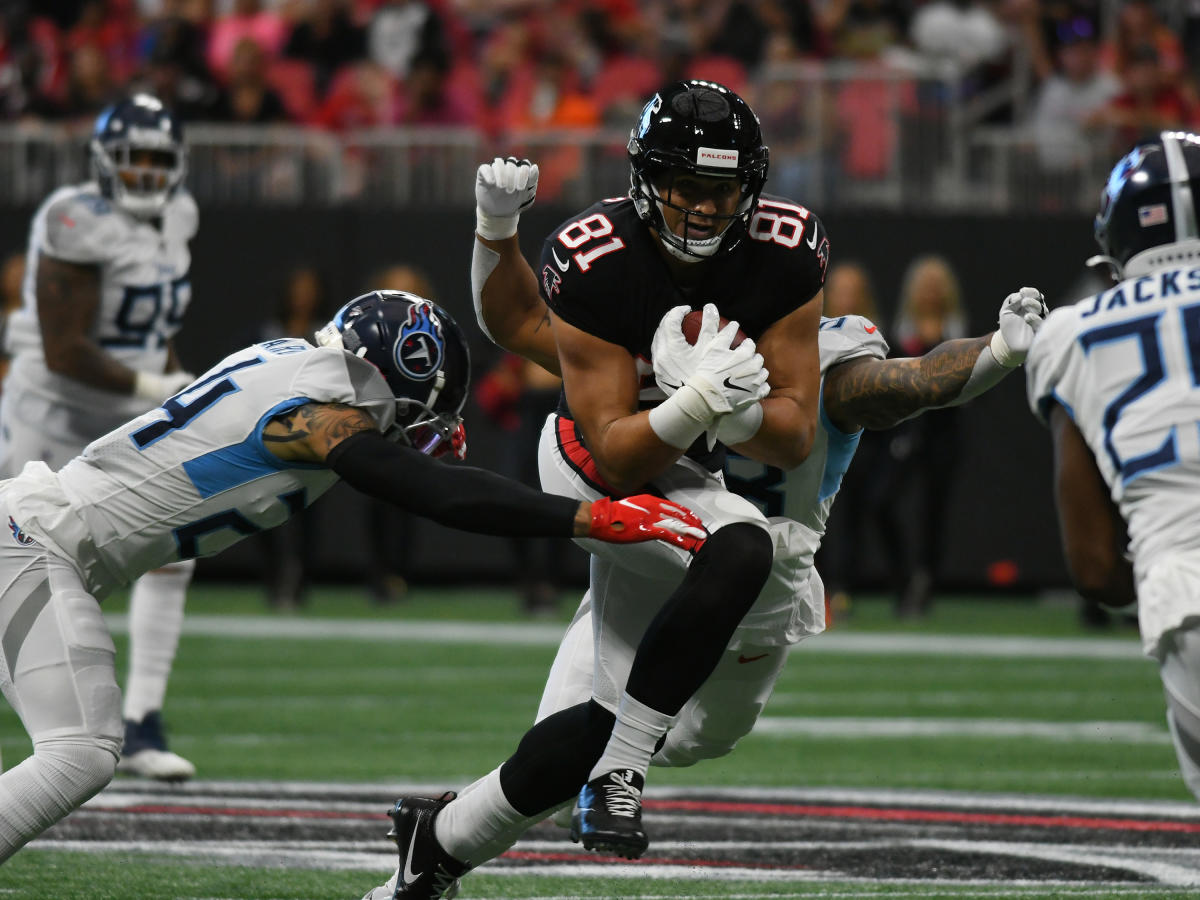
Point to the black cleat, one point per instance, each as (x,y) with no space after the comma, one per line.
(427,872)
(608,815)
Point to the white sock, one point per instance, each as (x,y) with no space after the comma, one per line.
(155,620)
(45,787)
(634,737)
(481,824)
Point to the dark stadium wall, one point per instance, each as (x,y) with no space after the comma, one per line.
(1000,510)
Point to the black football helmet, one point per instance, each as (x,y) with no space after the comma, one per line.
(138,123)
(1148,211)
(702,128)
(421,353)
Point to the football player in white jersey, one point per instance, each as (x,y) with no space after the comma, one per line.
(250,442)
(106,289)
(440,839)
(1116,377)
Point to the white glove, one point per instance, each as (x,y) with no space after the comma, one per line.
(158,387)
(504,188)
(675,360)
(670,351)
(1021,315)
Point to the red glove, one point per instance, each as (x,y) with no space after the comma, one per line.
(456,446)
(644,517)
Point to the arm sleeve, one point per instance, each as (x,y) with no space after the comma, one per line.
(458,496)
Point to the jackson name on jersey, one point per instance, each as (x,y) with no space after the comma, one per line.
(1125,365)
(193,476)
(144,289)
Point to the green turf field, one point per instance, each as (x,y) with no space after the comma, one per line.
(335,709)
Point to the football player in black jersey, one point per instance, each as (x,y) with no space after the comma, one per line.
(439,839)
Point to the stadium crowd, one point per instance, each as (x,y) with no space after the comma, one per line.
(518,65)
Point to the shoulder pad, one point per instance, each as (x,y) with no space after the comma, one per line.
(183,205)
(849,337)
(1049,357)
(81,227)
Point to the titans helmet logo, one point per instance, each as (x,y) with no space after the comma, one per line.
(419,348)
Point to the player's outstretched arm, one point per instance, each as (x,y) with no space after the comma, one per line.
(878,393)
(347,440)
(1093,533)
(504,287)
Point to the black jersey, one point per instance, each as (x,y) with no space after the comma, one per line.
(602,272)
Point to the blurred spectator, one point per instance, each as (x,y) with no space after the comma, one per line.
(363,95)
(248,98)
(800,125)
(174,69)
(924,451)
(848,292)
(327,38)
(1069,106)
(288,549)
(1139,25)
(1150,100)
(400,30)
(428,98)
(518,395)
(864,28)
(191,96)
(247,20)
(32,73)
(966,32)
(90,85)
(110,26)
(870,106)
(12,277)
(550,97)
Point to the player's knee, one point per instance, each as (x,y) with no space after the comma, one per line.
(78,767)
(687,746)
(176,574)
(744,550)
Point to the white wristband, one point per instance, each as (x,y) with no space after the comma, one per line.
(739,427)
(495,228)
(681,418)
(1004,354)
(149,386)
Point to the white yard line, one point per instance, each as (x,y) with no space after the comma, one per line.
(853,726)
(544,635)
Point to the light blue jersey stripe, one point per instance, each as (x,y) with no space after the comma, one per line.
(238,464)
(837,455)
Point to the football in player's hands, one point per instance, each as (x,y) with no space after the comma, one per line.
(691,328)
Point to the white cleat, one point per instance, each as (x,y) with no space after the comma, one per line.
(145,752)
(385,891)
(161,765)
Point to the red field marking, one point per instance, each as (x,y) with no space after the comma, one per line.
(919,815)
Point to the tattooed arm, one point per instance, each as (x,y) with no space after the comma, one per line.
(508,305)
(308,433)
(878,393)
(68,297)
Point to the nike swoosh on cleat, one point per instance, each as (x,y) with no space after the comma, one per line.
(409,875)
(737,387)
